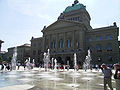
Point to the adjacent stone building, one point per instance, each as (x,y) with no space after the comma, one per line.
(37,49)
(23,53)
(72,33)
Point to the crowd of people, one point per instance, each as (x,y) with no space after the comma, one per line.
(5,66)
(107,71)
(8,67)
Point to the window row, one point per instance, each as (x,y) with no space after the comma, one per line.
(98,38)
(99,48)
(75,19)
(61,44)
(109,58)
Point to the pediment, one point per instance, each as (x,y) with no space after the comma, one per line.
(61,24)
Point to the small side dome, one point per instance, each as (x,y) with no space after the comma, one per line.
(75,7)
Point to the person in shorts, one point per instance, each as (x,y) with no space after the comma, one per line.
(107,77)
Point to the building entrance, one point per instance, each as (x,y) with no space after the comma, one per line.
(59,60)
(69,61)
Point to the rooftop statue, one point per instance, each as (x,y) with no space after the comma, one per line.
(75,6)
(76,1)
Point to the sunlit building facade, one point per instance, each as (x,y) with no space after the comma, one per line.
(23,53)
(72,33)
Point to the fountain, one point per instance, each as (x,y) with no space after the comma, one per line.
(68,66)
(33,62)
(87,61)
(52,63)
(55,68)
(13,61)
(74,74)
(46,59)
(28,64)
(75,62)
(41,80)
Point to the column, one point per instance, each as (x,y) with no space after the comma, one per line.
(64,41)
(74,40)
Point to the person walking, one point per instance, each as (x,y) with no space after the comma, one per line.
(117,76)
(107,77)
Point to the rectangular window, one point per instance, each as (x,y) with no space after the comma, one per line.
(108,37)
(68,43)
(99,48)
(98,38)
(54,44)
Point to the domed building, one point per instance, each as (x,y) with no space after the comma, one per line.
(72,33)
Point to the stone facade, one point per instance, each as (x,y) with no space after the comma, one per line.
(23,52)
(37,49)
(104,45)
(10,52)
(72,33)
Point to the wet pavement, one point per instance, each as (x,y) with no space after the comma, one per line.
(54,80)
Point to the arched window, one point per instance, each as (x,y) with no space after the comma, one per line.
(53,44)
(69,43)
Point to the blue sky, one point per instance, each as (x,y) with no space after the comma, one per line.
(22,19)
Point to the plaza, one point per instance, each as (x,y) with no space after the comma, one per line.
(69,42)
(39,79)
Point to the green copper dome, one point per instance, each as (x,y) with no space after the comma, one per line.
(74,7)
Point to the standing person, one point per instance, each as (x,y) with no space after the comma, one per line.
(117,76)
(19,65)
(107,77)
(2,68)
(24,65)
(7,66)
